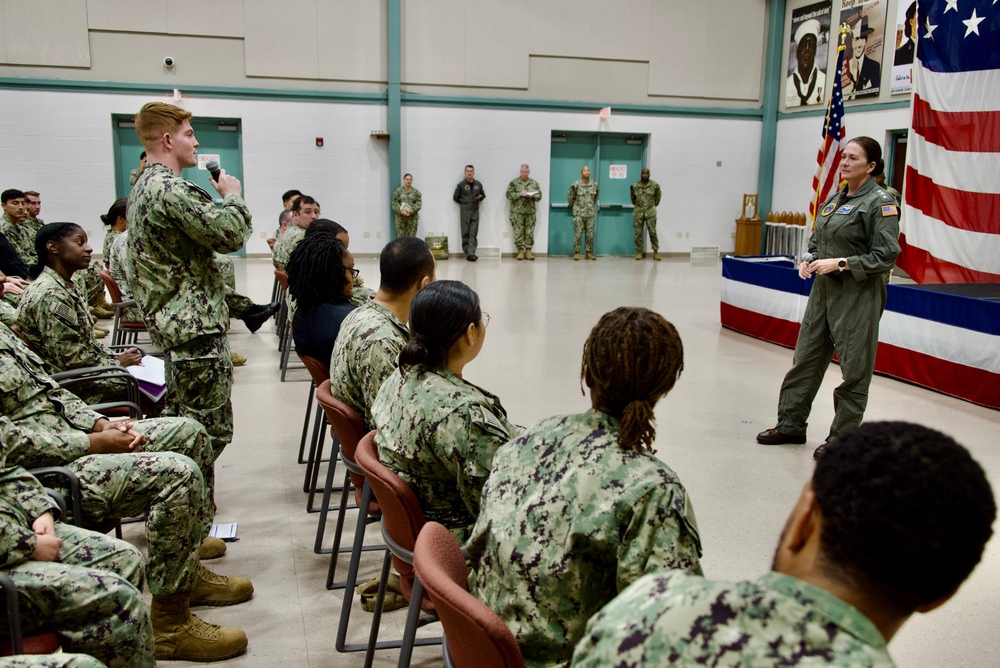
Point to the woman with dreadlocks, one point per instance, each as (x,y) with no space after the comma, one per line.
(321,274)
(53,314)
(578,507)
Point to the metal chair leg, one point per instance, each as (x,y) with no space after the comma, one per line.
(305,422)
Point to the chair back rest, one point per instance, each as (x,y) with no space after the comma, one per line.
(11,641)
(350,428)
(318,370)
(112,285)
(282,279)
(477,637)
(24,339)
(402,515)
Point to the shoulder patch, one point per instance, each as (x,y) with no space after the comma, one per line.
(490,421)
(65,313)
(890,210)
(828,209)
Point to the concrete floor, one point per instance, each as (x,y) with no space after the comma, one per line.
(541,313)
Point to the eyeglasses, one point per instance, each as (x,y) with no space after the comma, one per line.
(486,319)
(354,272)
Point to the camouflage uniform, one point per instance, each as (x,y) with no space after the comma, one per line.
(583,198)
(116,265)
(91,597)
(406,226)
(645,198)
(54,318)
(522,211)
(44,425)
(22,237)
(568,520)
(439,433)
(680,619)
(844,308)
(238,304)
(61,660)
(365,354)
(285,244)
(109,240)
(174,231)
(8,314)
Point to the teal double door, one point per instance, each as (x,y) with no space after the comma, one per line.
(615,161)
(220,138)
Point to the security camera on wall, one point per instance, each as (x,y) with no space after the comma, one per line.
(168,62)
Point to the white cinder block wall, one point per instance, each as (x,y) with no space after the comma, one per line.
(60,143)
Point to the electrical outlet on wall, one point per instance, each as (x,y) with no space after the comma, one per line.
(263,235)
(367,235)
(506,235)
(378,235)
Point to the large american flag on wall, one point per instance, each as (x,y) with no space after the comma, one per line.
(951,212)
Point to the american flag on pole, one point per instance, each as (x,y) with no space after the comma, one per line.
(951,211)
(827,174)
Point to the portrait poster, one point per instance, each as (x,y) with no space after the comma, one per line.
(906,48)
(807,55)
(862,75)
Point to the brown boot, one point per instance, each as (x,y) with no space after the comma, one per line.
(576,255)
(238,360)
(656,256)
(591,256)
(638,256)
(218,590)
(181,636)
(211,548)
(520,253)
(99,333)
(528,255)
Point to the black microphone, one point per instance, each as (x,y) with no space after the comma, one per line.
(214,169)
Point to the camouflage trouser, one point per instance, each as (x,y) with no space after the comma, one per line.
(51,661)
(645,218)
(238,304)
(406,226)
(200,385)
(524,229)
(90,598)
(89,283)
(166,487)
(580,223)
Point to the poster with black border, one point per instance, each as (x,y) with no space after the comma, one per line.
(807,55)
(862,75)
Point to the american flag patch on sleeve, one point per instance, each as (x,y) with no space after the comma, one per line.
(889,210)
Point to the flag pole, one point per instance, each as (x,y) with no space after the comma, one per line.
(843,31)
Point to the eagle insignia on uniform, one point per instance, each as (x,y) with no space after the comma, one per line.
(889,210)
(828,209)
(467,187)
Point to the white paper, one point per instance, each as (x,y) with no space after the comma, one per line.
(226,532)
(152,370)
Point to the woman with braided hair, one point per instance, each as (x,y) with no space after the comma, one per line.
(320,278)
(578,507)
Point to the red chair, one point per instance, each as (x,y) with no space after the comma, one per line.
(402,520)
(124,331)
(14,643)
(319,372)
(350,429)
(474,636)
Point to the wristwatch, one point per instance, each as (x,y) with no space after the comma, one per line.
(842,264)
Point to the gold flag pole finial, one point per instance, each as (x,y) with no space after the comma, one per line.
(843,32)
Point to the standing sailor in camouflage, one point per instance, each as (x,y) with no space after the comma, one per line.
(126,468)
(876,536)
(436,430)
(367,348)
(117,223)
(406,203)
(469,193)
(645,198)
(578,507)
(174,231)
(583,198)
(83,586)
(134,175)
(523,192)
(53,316)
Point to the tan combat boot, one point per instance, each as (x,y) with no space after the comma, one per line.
(638,256)
(238,360)
(591,256)
(211,548)
(218,590)
(656,256)
(180,636)
(520,253)
(99,333)
(576,255)
(528,255)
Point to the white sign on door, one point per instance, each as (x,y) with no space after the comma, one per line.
(205,157)
(619,172)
